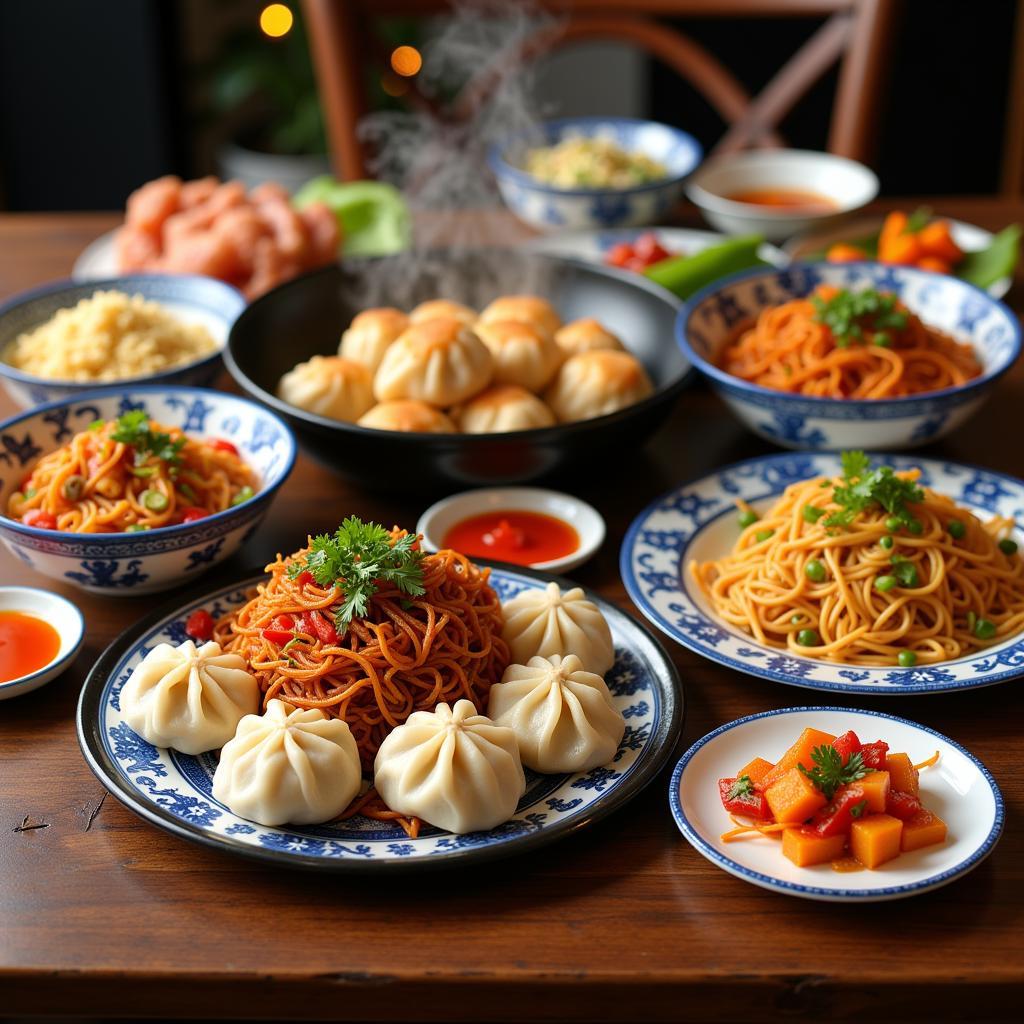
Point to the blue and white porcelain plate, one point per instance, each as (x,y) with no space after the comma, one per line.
(175,791)
(697,522)
(958,788)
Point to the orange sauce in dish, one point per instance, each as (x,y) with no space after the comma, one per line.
(27,644)
(796,199)
(845,865)
(523,538)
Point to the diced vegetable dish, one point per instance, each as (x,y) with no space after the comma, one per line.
(833,799)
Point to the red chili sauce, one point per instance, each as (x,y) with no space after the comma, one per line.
(524,538)
(801,200)
(27,644)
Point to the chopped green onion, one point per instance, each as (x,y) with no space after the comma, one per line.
(136,527)
(825,483)
(73,487)
(1007,546)
(956,529)
(188,492)
(808,638)
(155,501)
(907,659)
(984,629)
(747,518)
(812,513)
(886,583)
(763,535)
(883,338)
(972,620)
(243,495)
(142,471)
(886,542)
(796,618)
(815,571)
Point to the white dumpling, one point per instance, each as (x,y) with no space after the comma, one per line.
(501,409)
(340,389)
(370,334)
(440,362)
(562,715)
(523,354)
(435,308)
(289,766)
(586,335)
(408,416)
(597,383)
(451,767)
(189,698)
(526,309)
(548,622)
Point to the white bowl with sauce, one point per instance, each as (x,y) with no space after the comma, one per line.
(507,505)
(51,612)
(780,193)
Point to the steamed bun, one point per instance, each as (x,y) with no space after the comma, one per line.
(370,334)
(340,389)
(409,416)
(562,715)
(586,335)
(523,354)
(440,362)
(597,383)
(501,409)
(442,308)
(525,309)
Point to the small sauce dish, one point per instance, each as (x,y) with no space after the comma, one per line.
(36,614)
(546,529)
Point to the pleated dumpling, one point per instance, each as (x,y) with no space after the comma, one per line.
(562,715)
(586,335)
(548,622)
(339,389)
(526,309)
(451,767)
(440,362)
(370,334)
(501,409)
(189,698)
(409,416)
(289,766)
(435,308)
(523,354)
(597,383)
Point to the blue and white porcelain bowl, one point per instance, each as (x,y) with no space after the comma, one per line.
(550,208)
(117,564)
(711,318)
(194,299)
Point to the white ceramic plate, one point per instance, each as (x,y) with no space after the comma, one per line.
(60,613)
(697,520)
(97,260)
(959,789)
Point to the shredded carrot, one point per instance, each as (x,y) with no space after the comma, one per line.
(927,764)
(754,827)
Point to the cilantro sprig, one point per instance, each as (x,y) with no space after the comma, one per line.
(859,316)
(358,557)
(864,488)
(741,787)
(829,772)
(133,429)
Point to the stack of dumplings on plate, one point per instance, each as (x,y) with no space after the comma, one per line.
(452,767)
(444,368)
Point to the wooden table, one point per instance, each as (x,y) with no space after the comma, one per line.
(101,914)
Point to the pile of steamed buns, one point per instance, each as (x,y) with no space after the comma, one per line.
(451,767)
(445,369)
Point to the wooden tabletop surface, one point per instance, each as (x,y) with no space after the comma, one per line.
(104,915)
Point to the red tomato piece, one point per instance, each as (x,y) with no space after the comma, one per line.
(323,629)
(618,254)
(305,578)
(277,636)
(847,744)
(637,264)
(40,519)
(649,249)
(192,513)
(220,445)
(199,625)
(902,805)
(750,805)
(837,817)
(873,755)
(282,622)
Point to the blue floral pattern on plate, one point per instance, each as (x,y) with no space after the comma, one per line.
(662,540)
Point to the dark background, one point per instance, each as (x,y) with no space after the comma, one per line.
(96,98)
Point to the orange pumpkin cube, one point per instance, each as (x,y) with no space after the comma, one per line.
(923,829)
(805,849)
(903,775)
(799,753)
(756,770)
(876,839)
(876,789)
(794,797)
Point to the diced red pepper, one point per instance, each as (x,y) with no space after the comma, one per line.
(277,636)
(649,249)
(305,578)
(40,519)
(847,744)
(220,445)
(199,625)
(636,263)
(750,805)
(873,755)
(837,817)
(324,630)
(284,621)
(902,805)
(192,513)
(618,254)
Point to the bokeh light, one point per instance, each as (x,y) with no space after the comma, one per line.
(393,85)
(406,61)
(276,20)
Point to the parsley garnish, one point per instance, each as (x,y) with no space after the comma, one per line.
(829,772)
(858,809)
(851,316)
(133,429)
(865,487)
(741,787)
(905,571)
(358,557)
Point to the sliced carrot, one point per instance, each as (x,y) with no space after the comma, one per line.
(893,227)
(937,240)
(841,252)
(934,263)
(904,250)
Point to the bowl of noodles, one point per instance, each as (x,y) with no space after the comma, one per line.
(134,490)
(67,338)
(831,356)
(839,571)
